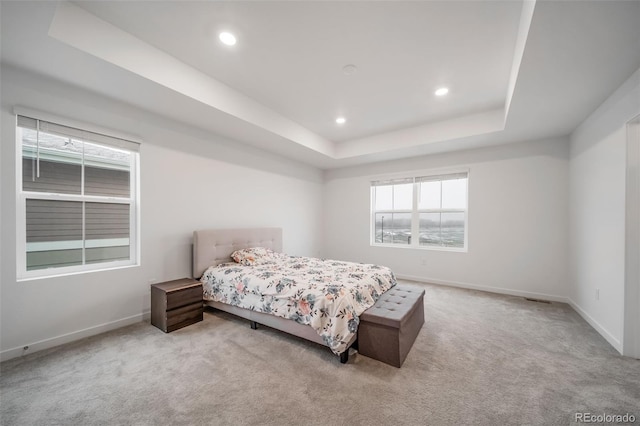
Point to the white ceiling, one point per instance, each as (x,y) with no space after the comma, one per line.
(290,56)
(515,72)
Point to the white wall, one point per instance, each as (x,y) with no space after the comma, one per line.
(631,335)
(518,218)
(189,180)
(597,210)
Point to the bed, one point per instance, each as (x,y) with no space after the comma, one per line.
(270,292)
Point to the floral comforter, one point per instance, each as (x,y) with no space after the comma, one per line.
(328,295)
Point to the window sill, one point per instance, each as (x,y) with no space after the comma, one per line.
(43,274)
(429,248)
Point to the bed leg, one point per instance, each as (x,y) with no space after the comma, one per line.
(254,325)
(344,357)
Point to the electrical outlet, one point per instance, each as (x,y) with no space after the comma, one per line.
(423,261)
(597,294)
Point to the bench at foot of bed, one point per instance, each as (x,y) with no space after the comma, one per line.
(388,329)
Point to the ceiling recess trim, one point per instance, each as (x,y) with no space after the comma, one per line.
(78,28)
(82,30)
(528,7)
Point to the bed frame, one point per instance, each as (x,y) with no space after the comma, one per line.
(212,247)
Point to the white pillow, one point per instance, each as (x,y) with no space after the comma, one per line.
(253,256)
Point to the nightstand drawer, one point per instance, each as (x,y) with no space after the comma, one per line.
(185,313)
(182,297)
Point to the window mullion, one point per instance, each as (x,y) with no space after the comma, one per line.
(81,171)
(415,217)
(74,197)
(441,213)
(22,232)
(450,209)
(393,197)
(372,216)
(134,187)
(84,241)
(84,209)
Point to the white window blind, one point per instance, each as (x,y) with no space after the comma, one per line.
(71,132)
(449,176)
(392,182)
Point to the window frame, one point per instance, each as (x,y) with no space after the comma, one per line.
(415,211)
(22,274)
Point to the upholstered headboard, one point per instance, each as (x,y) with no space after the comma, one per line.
(214,246)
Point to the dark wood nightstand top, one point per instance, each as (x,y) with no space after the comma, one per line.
(177,285)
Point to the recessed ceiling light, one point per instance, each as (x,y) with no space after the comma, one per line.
(341,120)
(227,38)
(442,91)
(349,69)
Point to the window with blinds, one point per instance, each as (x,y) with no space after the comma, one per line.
(78,199)
(422,211)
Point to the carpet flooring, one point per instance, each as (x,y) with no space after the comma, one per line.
(480,359)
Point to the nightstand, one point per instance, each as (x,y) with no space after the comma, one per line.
(176,304)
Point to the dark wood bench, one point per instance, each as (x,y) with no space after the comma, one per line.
(388,329)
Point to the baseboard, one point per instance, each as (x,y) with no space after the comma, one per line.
(71,337)
(489,289)
(617,345)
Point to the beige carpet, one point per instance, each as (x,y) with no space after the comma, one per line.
(480,359)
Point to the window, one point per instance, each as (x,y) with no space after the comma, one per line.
(77,200)
(421,211)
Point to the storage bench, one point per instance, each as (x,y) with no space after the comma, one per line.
(388,329)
